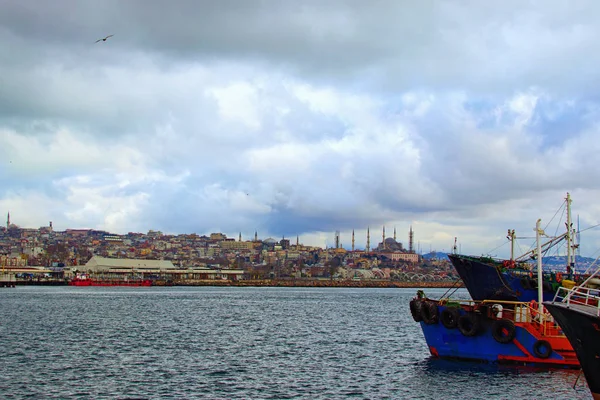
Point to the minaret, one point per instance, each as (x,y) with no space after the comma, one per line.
(8,220)
(297,242)
(383,238)
(240,237)
(255,236)
(410,240)
(368,240)
(394,234)
(352,241)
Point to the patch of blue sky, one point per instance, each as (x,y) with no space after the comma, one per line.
(556,121)
(8,186)
(485,113)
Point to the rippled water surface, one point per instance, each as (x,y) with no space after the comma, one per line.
(251,343)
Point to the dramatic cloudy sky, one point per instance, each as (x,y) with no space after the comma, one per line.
(460,118)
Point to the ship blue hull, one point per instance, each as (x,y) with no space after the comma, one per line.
(451,344)
(487,281)
(482,344)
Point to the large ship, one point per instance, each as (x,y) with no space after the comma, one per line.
(577,311)
(493,330)
(515,279)
(86,280)
(487,278)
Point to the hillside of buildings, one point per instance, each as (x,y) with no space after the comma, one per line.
(258,258)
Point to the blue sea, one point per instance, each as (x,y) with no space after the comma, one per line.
(239,343)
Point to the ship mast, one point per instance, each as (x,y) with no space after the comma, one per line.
(576,246)
(511,236)
(569,236)
(539,232)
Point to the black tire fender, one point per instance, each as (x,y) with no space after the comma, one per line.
(468,324)
(429,312)
(449,317)
(542,349)
(415,309)
(504,330)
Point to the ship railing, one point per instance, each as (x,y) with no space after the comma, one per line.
(516,311)
(579,295)
(523,312)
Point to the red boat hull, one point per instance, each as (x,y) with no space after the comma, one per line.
(99,282)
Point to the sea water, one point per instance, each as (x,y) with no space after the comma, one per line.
(239,343)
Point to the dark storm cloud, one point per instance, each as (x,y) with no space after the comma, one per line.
(390,44)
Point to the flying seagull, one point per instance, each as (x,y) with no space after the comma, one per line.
(104,39)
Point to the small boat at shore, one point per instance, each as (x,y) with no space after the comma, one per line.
(86,280)
(577,311)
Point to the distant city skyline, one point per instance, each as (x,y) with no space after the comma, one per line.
(462,119)
(327,240)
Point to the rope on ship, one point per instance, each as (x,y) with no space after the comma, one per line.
(447,294)
(576,380)
(510,290)
(525,283)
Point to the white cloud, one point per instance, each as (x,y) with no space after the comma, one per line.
(100,205)
(238,102)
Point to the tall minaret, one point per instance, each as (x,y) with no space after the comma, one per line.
(410,240)
(394,234)
(383,238)
(8,220)
(297,242)
(352,241)
(240,238)
(255,236)
(368,240)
